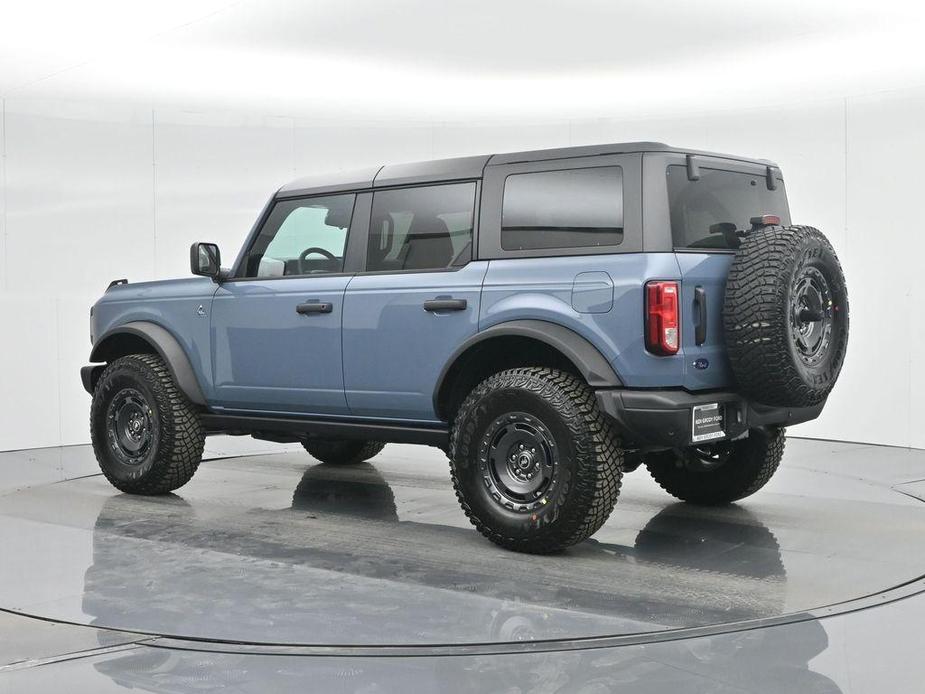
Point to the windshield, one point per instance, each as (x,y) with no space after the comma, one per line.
(719,197)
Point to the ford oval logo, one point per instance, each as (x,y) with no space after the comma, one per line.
(701,363)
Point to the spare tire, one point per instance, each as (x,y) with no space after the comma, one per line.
(786,316)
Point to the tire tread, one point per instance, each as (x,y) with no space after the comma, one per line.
(756,323)
(182,442)
(600,457)
(342,451)
(754,461)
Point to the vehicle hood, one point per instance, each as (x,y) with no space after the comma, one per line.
(160,289)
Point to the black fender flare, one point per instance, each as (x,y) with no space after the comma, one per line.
(166,346)
(587,358)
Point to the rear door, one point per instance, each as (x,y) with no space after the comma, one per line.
(416,301)
(700,200)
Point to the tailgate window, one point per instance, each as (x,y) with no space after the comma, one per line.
(719,197)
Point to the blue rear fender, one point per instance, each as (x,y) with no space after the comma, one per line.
(571,292)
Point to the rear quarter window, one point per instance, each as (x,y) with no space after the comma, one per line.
(574,208)
(718,197)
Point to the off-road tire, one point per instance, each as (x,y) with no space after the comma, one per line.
(342,451)
(750,464)
(176,448)
(762,283)
(589,460)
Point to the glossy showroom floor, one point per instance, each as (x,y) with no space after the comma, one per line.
(269,572)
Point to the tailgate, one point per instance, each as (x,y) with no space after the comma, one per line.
(703,281)
(719,194)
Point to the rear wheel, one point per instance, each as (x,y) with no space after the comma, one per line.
(146,435)
(535,465)
(719,473)
(342,451)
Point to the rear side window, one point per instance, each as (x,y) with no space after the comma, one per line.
(698,208)
(424,228)
(575,208)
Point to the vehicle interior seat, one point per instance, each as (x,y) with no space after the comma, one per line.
(427,245)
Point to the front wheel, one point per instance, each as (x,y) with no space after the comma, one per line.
(535,465)
(146,435)
(719,473)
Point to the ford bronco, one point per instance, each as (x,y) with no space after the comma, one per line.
(550,319)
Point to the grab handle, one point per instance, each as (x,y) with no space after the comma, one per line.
(700,303)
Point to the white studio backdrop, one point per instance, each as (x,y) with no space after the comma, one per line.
(96,190)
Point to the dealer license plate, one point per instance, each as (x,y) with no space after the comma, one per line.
(707,423)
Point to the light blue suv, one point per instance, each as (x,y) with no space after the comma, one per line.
(550,319)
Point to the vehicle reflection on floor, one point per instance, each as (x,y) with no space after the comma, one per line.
(266,550)
(674,539)
(339,564)
(358,490)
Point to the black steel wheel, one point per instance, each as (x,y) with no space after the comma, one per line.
(535,465)
(523,460)
(811,315)
(146,436)
(131,428)
(721,472)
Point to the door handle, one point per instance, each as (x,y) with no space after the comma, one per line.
(315,307)
(700,330)
(445,305)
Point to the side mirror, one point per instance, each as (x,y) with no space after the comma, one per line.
(205,259)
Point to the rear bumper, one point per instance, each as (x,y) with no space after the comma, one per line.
(662,418)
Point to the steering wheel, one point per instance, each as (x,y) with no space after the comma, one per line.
(308,251)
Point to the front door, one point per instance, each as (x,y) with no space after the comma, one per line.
(276,326)
(417,301)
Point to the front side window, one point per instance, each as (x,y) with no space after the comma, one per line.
(699,209)
(425,228)
(302,237)
(575,208)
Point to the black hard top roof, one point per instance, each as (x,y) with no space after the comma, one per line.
(469,167)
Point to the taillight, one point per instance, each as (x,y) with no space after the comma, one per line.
(663,333)
(765,220)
